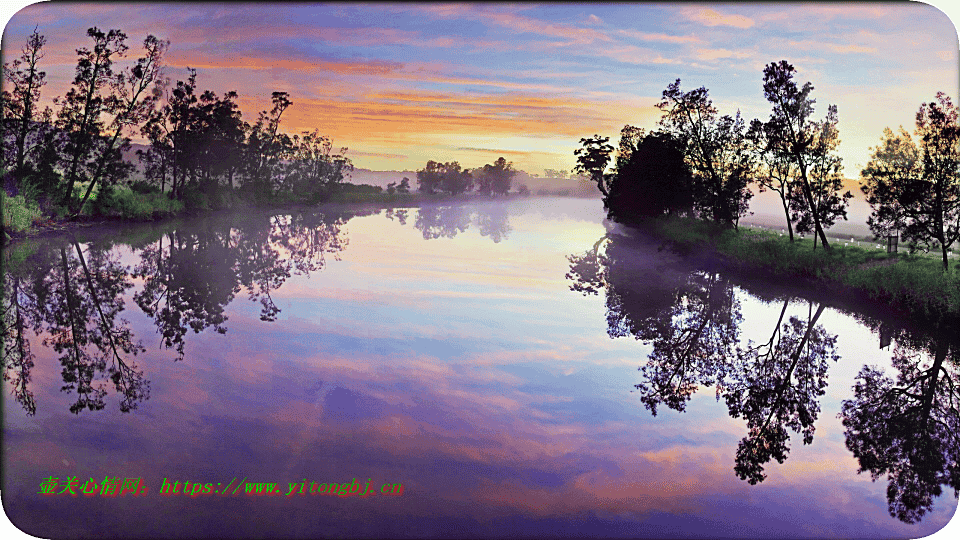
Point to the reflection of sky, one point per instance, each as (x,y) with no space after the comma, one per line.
(462,368)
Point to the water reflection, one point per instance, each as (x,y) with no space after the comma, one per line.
(71,297)
(906,428)
(492,220)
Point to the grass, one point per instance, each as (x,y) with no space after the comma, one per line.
(914,283)
(122,202)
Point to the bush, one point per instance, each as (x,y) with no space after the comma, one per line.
(18,213)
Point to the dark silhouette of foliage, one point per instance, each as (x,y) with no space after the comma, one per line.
(21,116)
(592,159)
(495,179)
(915,191)
(810,145)
(652,177)
(101,105)
(908,428)
(444,178)
(716,150)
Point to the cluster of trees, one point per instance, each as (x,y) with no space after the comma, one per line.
(450,178)
(199,144)
(915,189)
(904,427)
(702,163)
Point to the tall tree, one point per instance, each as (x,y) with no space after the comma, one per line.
(916,190)
(716,149)
(825,181)
(775,171)
(793,134)
(267,148)
(24,79)
(102,104)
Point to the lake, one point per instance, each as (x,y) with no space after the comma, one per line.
(480,369)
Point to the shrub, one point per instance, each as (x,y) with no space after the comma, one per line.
(18,213)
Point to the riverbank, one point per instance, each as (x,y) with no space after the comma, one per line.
(23,220)
(912,284)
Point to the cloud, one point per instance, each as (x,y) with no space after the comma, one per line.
(593,19)
(851,48)
(663,38)
(710,17)
(716,54)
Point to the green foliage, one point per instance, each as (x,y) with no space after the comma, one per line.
(123,202)
(18,213)
(913,283)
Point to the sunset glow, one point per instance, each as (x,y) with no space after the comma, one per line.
(399,84)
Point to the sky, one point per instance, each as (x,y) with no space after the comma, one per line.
(399,84)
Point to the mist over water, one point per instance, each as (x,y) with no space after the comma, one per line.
(521,367)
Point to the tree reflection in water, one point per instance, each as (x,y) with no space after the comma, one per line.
(492,220)
(71,297)
(909,427)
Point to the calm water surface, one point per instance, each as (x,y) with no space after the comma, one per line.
(520,370)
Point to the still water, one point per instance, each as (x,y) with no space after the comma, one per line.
(518,367)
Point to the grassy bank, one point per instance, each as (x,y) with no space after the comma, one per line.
(914,284)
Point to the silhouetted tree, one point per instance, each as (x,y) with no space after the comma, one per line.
(95,145)
(444,178)
(652,177)
(21,116)
(793,134)
(716,149)
(775,171)
(916,191)
(495,178)
(592,160)
(824,179)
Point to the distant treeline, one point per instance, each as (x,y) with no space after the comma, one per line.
(67,160)
(702,164)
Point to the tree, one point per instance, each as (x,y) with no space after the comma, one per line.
(495,178)
(404,186)
(908,428)
(267,148)
(444,178)
(592,160)
(793,134)
(314,169)
(24,79)
(652,177)
(716,150)
(775,171)
(93,150)
(916,190)
(824,180)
